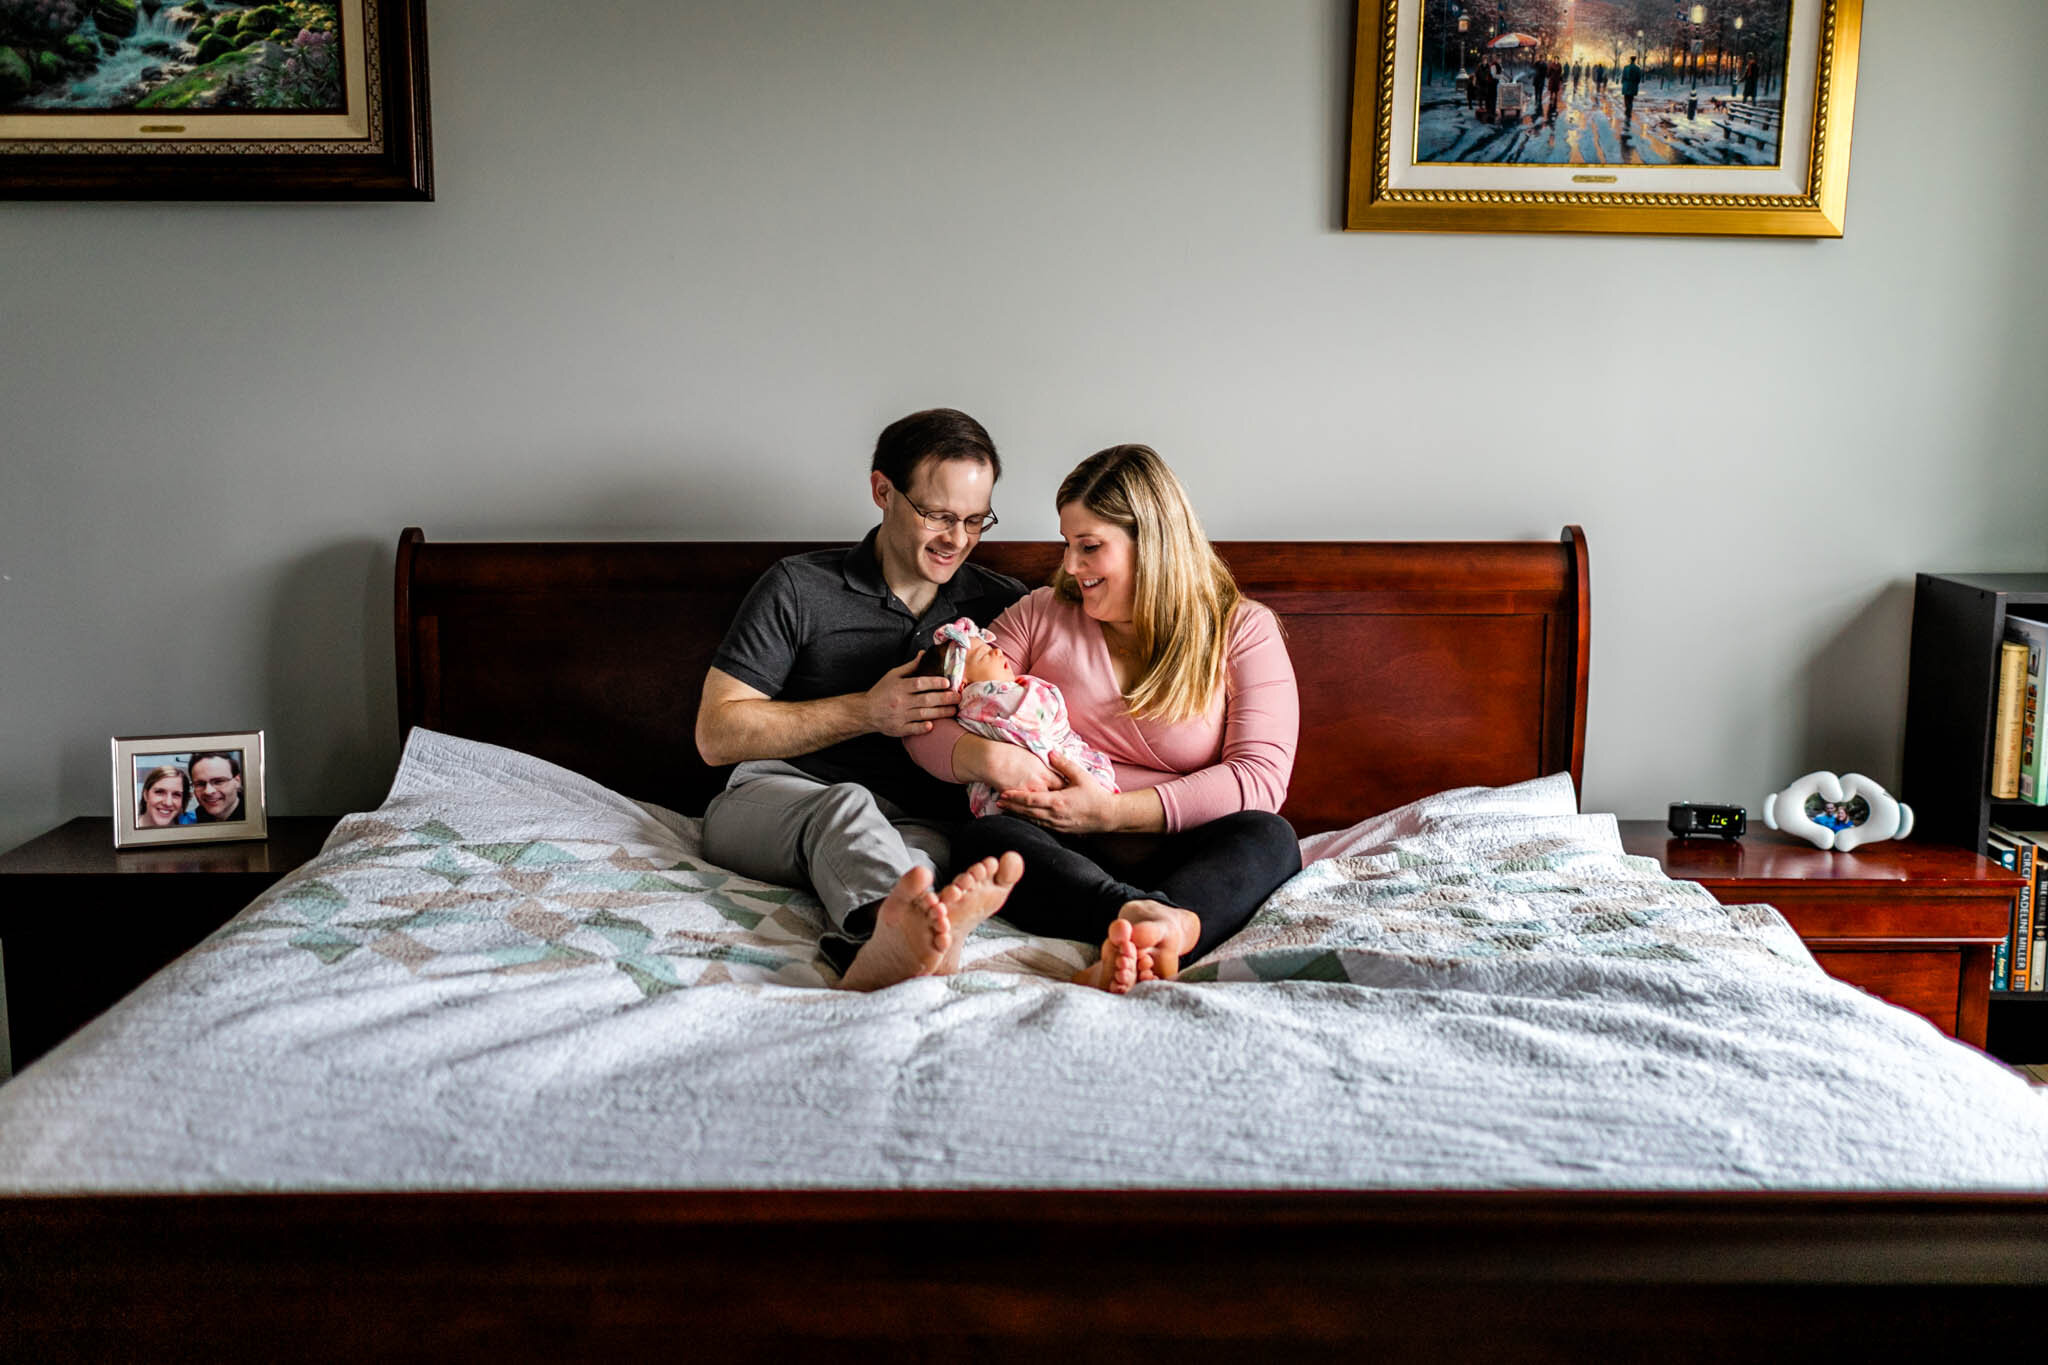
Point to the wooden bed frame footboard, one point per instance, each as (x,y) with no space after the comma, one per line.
(1055,1275)
(1423,667)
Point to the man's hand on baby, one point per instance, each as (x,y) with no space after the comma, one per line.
(900,705)
(1081,806)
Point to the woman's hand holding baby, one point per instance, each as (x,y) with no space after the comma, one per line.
(1085,806)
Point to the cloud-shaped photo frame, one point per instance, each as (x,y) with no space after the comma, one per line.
(1838,813)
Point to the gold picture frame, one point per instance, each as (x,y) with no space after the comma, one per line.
(1397,184)
(147,766)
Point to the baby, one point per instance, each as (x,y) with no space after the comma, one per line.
(997,704)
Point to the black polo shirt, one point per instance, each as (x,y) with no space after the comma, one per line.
(825,624)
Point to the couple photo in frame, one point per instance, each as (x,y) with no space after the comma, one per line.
(188,789)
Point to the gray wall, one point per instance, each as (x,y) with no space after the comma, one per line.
(687,257)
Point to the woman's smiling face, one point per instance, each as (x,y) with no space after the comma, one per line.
(165,799)
(1102,559)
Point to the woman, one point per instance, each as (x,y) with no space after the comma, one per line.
(1187,687)
(164,795)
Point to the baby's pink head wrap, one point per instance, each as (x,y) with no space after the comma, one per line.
(958,637)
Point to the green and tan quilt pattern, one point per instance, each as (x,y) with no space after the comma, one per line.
(1549,893)
(430,899)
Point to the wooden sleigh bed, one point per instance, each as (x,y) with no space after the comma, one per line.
(1423,667)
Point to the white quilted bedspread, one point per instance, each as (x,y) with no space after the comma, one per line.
(507,976)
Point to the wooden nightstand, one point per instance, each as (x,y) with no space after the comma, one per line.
(1915,923)
(82,924)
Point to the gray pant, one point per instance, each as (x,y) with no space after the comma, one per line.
(776,823)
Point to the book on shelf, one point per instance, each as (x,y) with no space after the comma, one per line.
(2006,729)
(2026,976)
(2021,958)
(2037,973)
(2033,785)
(2023,915)
(2002,851)
(2037,955)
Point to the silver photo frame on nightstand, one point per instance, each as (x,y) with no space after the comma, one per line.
(188,789)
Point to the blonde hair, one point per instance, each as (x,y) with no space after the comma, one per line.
(1184,596)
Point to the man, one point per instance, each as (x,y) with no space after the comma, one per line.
(217,783)
(811,693)
(1631,81)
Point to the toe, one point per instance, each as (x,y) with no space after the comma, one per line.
(1126,969)
(976,876)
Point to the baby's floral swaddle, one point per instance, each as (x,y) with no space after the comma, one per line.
(1031,712)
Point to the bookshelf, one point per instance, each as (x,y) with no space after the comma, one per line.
(1951,695)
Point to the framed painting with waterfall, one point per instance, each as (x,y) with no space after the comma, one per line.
(214,99)
(1649,116)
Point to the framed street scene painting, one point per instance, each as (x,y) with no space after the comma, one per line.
(1729,116)
(188,789)
(214,99)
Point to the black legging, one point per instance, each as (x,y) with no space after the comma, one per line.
(1074,884)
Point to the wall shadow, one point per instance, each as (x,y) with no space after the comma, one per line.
(329,692)
(1855,691)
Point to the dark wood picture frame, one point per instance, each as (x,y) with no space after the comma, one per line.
(394,163)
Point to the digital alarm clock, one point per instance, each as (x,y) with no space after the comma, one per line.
(1693,818)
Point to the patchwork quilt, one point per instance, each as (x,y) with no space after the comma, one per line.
(507,976)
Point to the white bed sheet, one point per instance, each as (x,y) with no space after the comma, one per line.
(509,977)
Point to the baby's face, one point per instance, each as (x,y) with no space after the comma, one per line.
(986,663)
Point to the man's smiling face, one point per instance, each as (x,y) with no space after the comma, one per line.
(216,784)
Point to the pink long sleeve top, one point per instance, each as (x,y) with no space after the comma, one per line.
(1237,757)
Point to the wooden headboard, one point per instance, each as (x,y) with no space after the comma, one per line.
(1423,665)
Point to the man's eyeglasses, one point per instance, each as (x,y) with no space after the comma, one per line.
(208,784)
(944,522)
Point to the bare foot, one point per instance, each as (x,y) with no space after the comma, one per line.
(1117,970)
(911,936)
(974,896)
(1162,935)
